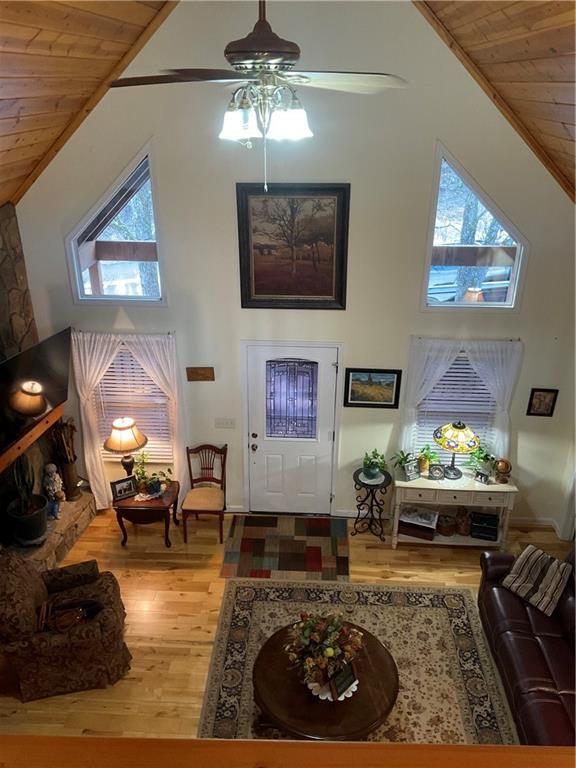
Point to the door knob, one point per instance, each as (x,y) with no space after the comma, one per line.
(254,447)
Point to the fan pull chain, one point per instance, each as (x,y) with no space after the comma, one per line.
(265,164)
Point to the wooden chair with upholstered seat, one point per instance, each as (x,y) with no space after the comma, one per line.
(207,467)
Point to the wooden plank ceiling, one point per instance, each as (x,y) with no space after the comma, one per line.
(56,60)
(522,54)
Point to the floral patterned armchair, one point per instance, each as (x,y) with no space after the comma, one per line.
(90,654)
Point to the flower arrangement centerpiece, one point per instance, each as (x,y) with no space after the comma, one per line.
(321,646)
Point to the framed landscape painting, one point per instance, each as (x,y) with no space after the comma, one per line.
(293,245)
(372,388)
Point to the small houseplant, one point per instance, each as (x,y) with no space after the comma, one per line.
(28,511)
(481,460)
(321,646)
(407,463)
(150,483)
(426,456)
(373,464)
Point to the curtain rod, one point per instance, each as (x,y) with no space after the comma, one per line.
(132,333)
(463,339)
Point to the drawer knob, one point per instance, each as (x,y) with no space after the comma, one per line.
(419,495)
(454,497)
(489,498)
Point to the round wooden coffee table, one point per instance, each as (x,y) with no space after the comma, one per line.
(288,704)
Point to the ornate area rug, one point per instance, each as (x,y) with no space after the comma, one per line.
(449,689)
(287,547)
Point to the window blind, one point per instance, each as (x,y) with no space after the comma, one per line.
(460,394)
(127,390)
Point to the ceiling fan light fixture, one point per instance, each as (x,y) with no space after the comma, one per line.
(290,124)
(240,122)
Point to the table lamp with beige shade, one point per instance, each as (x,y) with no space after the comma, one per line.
(125,438)
(28,399)
(456,438)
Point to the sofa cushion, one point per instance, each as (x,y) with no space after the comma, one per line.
(505,612)
(538,578)
(21,592)
(544,717)
(535,664)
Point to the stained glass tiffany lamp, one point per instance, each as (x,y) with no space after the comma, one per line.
(456,438)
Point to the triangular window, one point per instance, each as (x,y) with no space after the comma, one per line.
(475,252)
(115,253)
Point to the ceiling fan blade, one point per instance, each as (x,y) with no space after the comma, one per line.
(350,82)
(126,82)
(212,75)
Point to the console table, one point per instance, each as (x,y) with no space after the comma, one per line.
(464,492)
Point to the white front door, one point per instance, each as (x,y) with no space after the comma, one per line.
(291,411)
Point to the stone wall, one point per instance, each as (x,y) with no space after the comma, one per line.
(17,325)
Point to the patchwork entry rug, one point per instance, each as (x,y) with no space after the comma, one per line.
(449,690)
(287,547)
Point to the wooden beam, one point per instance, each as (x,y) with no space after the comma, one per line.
(102,89)
(499,102)
(71,752)
(20,447)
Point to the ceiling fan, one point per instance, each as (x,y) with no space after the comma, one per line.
(265,104)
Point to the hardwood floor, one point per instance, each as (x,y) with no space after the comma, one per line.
(173,597)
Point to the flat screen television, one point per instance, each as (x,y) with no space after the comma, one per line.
(33,383)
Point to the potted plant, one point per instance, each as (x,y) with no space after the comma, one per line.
(27,512)
(426,457)
(150,483)
(373,464)
(481,460)
(407,463)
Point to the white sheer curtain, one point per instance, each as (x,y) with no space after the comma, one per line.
(92,354)
(497,363)
(157,355)
(428,361)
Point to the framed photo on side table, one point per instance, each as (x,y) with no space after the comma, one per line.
(372,388)
(293,242)
(123,489)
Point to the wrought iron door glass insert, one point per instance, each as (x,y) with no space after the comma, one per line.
(291,398)
(370,505)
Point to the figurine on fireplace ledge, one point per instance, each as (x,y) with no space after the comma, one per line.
(52,484)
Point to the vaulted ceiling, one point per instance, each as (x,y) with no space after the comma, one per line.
(522,55)
(58,58)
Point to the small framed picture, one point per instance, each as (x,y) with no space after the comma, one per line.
(542,402)
(372,388)
(482,477)
(436,472)
(412,470)
(123,489)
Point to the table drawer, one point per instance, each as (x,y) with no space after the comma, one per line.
(455,497)
(419,495)
(488,499)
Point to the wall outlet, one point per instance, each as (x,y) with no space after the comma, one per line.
(224,423)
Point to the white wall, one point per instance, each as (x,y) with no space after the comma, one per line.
(384,146)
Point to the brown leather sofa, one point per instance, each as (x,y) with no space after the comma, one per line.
(534,653)
(90,654)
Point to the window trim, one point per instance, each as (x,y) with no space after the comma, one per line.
(442,153)
(72,252)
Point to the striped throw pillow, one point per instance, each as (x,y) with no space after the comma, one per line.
(538,578)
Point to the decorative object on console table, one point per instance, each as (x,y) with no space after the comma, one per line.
(370,504)
(455,437)
(125,438)
(484,526)
(419,522)
(446,525)
(426,457)
(503,471)
(436,472)
(293,245)
(542,402)
(408,465)
(372,388)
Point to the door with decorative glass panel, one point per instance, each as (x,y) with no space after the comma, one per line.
(291,412)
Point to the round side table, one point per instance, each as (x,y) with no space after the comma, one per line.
(370,503)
